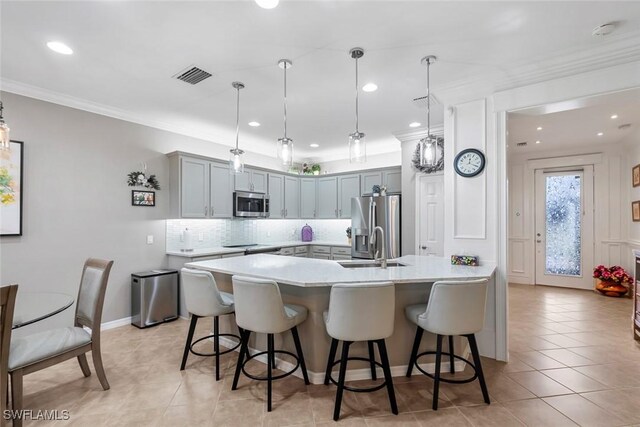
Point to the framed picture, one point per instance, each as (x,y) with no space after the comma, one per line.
(635,210)
(636,175)
(143,198)
(11,189)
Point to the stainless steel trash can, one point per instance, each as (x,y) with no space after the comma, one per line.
(154,297)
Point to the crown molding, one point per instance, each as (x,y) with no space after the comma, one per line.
(416,134)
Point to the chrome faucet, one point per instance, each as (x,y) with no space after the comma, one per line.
(383,258)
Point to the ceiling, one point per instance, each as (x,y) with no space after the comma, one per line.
(575,123)
(125,54)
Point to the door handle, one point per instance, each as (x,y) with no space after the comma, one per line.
(424,247)
(538,241)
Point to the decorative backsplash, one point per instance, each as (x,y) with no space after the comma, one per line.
(207,233)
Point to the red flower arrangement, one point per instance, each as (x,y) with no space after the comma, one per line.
(615,274)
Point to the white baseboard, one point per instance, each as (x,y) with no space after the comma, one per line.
(116,323)
(352,374)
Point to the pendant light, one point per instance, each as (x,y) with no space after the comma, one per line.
(4,133)
(357,143)
(236,162)
(428,144)
(285,145)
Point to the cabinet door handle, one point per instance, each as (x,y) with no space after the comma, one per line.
(340,212)
(423,247)
(205,211)
(286,212)
(336,213)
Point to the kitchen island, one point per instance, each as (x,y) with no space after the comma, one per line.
(307,282)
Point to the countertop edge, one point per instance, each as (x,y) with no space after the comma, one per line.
(224,251)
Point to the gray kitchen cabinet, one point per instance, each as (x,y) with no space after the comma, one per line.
(276,196)
(369,179)
(327,206)
(291,197)
(308,198)
(194,188)
(251,180)
(348,187)
(221,191)
(392,179)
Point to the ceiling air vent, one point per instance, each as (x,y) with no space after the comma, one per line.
(624,126)
(421,102)
(521,144)
(192,75)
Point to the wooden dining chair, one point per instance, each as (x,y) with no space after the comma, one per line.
(41,350)
(7,303)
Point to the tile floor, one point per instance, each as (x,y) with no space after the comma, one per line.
(573,361)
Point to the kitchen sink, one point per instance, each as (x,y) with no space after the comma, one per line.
(369,264)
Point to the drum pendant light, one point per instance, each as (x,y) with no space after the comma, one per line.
(285,145)
(357,143)
(236,161)
(428,144)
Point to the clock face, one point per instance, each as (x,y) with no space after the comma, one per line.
(469,162)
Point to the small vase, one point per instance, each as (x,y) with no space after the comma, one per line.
(610,289)
(349,240)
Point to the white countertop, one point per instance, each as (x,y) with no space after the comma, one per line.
(219,250)
(309,272)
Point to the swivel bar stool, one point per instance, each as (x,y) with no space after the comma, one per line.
(454,308)
(203,299)
(360,312)
(259,308)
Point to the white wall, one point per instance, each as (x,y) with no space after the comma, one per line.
(609,194)
(77,203)
(631,150)
(373,161)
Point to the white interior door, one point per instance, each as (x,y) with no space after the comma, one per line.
(564,238)
(430,215)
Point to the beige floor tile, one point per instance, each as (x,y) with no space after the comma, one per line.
(536,413)
(504,389)
(574,380)
(539,384)
(567,357)
(490,415)
(449,417)
(200,414)
(563,341)
(322,405)
(418,397)
(537,360)
(403,420)
(235,413)
(614,375)
(582,411)
(625,403)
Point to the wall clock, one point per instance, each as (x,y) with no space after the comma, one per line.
(469,162)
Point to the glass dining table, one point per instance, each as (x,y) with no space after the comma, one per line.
(32,307)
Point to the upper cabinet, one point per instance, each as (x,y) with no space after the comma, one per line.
(221,191)
(251,180)
(390,178)
(308,198)
(194,188)
(327,206)
(348,187)
(276,196)
(291,197)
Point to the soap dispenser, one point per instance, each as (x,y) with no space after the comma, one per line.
(307,233)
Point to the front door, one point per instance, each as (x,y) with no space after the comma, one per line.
(564,227)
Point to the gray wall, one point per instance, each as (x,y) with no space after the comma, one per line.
(77,203)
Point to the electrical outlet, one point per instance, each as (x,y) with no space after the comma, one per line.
(150,239)
(200,237)
(268,234)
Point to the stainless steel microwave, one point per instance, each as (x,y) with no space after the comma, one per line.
(250,205)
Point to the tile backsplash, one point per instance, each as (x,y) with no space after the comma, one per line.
(207,233)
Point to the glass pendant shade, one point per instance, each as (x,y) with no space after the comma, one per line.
(4,136)
(428,151)
(285,151)
(236,161)
(357,148)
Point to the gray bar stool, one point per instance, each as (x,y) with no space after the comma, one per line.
(259,308)
(360,312)
(203,299)
(454,308)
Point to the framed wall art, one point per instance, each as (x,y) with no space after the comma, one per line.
(636,175)
(143,198)
(635,210)
(11,189)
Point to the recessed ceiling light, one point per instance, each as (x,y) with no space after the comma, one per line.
(370,87)
(539,128)
(537,142)
(600,133)
(267,4)
(314,145)
(414,124)
(614,116)
(59,47)
(254,124)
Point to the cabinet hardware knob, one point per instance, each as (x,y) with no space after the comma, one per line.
(539,241)
(424,247)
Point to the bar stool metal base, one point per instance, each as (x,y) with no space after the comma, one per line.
(188,348)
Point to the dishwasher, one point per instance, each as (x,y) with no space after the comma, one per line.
(154,297)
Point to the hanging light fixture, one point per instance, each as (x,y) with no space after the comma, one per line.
(4,133)
(236,162)
(285,145)
(428,144)
(357,143)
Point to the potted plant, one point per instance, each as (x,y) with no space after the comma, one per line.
(315,169)
(611,281)
(349,234)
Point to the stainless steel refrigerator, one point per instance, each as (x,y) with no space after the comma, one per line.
(368,212)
